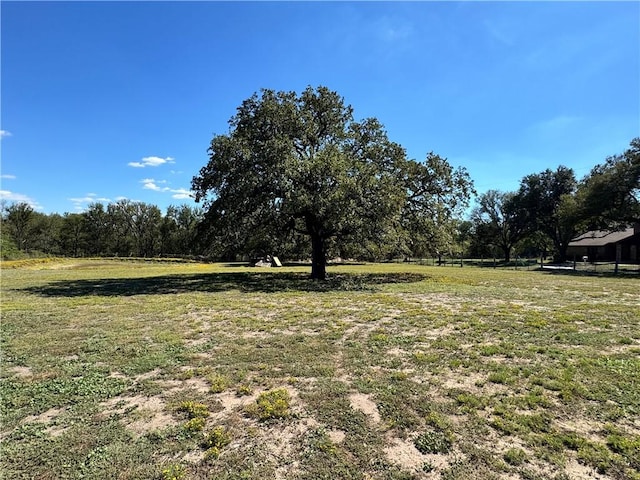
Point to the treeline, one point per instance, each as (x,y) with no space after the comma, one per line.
(123,228)
(548,210)
(552,207)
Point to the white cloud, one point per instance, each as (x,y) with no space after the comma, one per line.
(6,195)
(155,185)
(181,194)
(8,177)
(4,133)
(151,184)
(151,162)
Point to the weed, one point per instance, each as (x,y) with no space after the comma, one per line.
(433,441)
(469,402)
(596,456)
(243,390)
(272,404)
(175,471)
(438,421)
(194,410)
(215,441)
(194,425)
(219,383)
(515,456)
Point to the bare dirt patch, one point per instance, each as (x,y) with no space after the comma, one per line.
(336,436)
(364,403)
(143,414)
(577,471)
(45,417)
(22,372)
(405,455)
(48,418)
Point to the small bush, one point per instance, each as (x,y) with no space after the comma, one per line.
(243,390)
(194,425)
(219,383)
(433,442)
(174,472)
(515,456)
(215,441)
(194,409)
(271,404)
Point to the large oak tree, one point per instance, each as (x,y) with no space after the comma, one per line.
(301,164)
(549,200)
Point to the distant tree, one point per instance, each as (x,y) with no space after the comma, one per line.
(499,220)
(610,195)
(436,195)
(300,163)
(141,222)
(45,233)
(548,199)
(535,244)
(72,233)
(122,242)
(99,230)
(17,219)
(178,230)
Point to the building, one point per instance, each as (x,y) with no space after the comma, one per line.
(604,245)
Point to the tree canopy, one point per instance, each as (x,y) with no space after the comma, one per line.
(499,220)
(548,198)
(301,165)
(610,194)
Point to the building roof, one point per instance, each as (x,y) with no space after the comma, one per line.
(599,238)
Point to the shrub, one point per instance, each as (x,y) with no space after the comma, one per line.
(433,442)
(194,425)
(515,456)
(215,441)
(219,383)
(271,404)
(194,409)
(174,472)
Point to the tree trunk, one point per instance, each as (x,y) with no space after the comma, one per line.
(562,252)
(318,258)
(507,254)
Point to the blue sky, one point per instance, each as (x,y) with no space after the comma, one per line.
(110,100)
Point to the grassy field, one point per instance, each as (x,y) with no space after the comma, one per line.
(149,370)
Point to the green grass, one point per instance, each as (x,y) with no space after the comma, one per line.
(152,370)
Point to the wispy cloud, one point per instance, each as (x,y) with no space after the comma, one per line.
(6,176)
(151,162)
(152,184)
(181,194)
(155,185)
(4,133)
(6,195)
(81,203)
